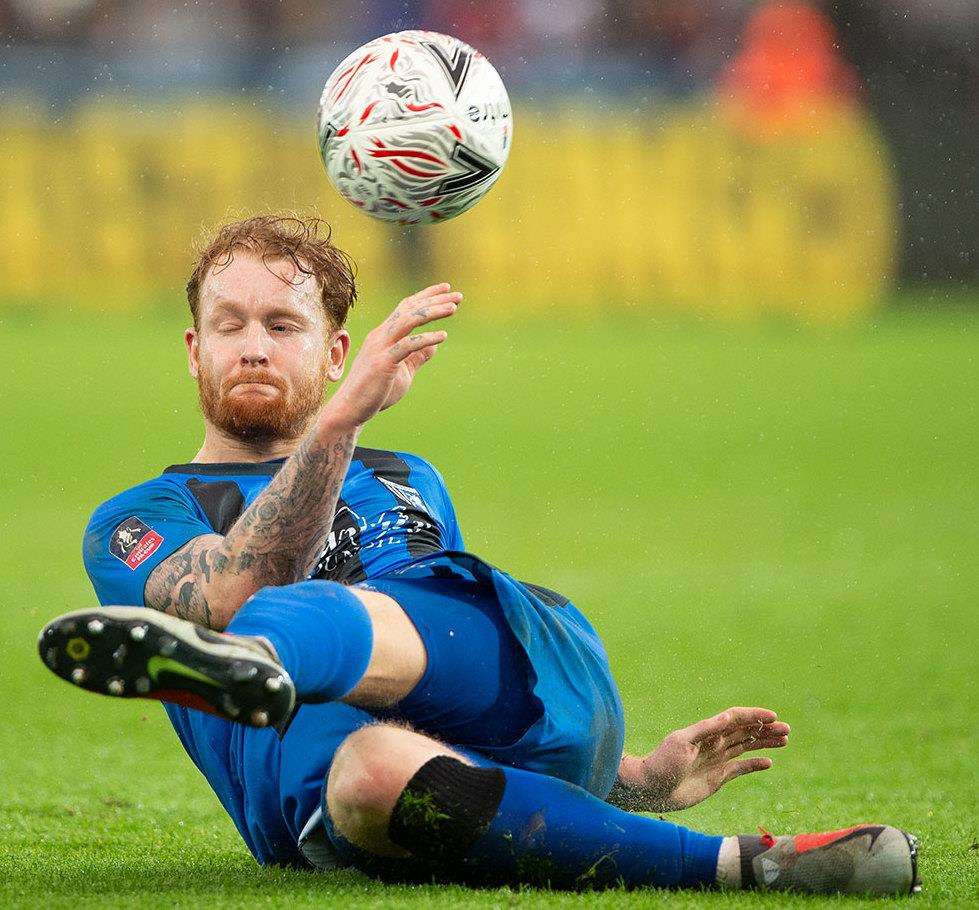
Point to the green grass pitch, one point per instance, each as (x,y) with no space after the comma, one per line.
(766,515)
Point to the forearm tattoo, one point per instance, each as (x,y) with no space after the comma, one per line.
(274,541)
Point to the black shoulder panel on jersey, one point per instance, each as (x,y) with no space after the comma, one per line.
(221,501)
(372,458)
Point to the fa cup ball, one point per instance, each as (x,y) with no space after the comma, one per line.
(414,127)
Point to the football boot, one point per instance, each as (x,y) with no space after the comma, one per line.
(864,859)
(135,652)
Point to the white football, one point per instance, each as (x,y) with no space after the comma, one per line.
(414,127)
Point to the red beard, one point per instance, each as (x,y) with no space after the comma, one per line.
(255,418)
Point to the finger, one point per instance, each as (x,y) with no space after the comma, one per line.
(419,358)
(437,307)
(748,766)
(741,717)
(755,732)
(406,320)
(430,291)
(753,745)
(723,722)
(413,300)
(705,729)
(750,720)
(413,343)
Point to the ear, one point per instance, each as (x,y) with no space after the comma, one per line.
(193,343)
(337,354)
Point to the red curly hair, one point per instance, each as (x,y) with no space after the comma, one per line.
(303,241)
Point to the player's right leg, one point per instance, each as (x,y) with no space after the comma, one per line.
(401,805)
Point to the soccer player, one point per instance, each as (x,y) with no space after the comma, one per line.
(355,687)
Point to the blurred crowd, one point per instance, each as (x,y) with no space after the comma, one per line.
(601,46)
(689,29)
(503,27)
(251,43)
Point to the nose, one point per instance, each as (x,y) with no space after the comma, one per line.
(254,351)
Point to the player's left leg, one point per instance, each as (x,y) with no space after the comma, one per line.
(453,667)
(315,641)
(435,653)
(401,805)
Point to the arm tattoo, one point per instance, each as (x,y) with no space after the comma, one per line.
(279,536)
(275,541)
(173,586)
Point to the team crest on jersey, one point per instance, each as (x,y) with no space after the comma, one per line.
(408,495)
(133,542)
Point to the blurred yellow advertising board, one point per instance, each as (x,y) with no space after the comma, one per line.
(675,208)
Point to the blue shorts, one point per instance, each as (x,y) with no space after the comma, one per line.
(516,675)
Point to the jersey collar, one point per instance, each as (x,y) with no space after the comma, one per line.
(228,468)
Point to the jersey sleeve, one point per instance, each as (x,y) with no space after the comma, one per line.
(431,485)
(131,534)
(453,533)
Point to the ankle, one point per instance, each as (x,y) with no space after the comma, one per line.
(729,864)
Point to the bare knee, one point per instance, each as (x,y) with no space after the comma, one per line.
(370,771)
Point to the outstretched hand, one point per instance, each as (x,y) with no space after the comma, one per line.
(693,763)
(390,355)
